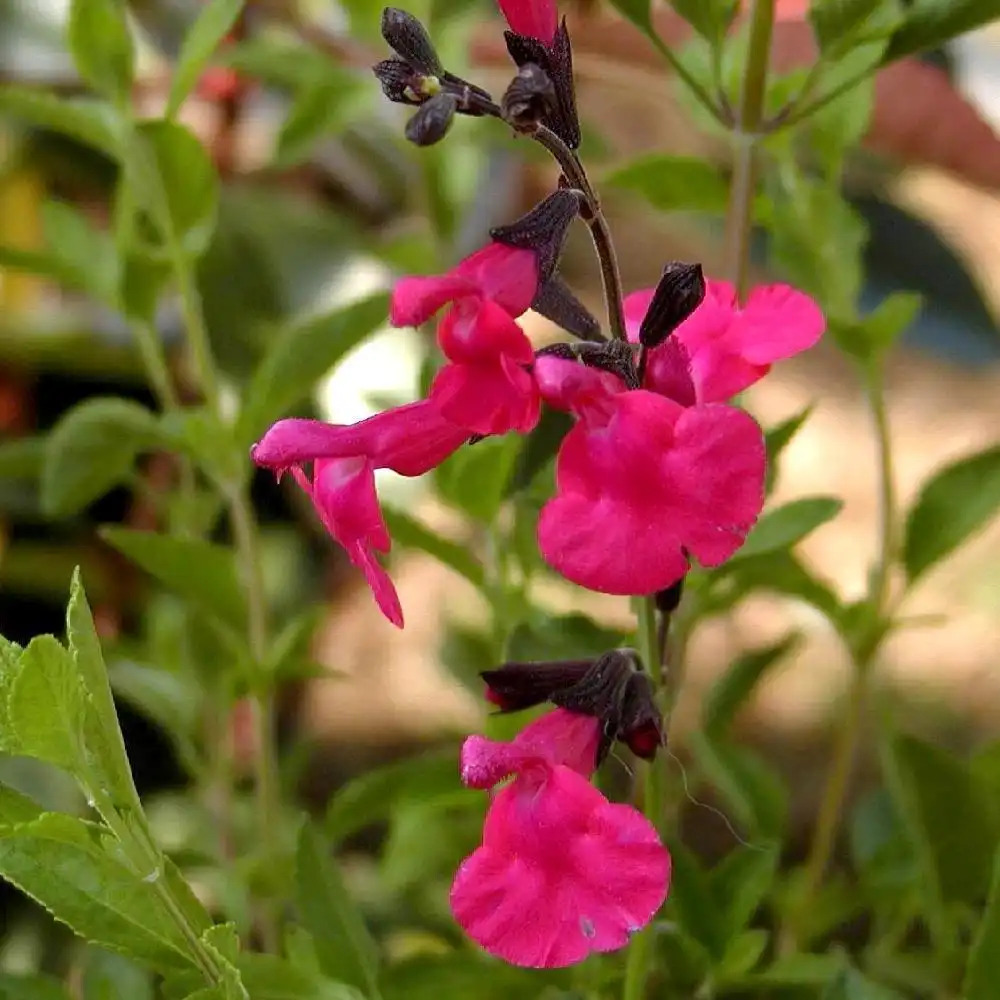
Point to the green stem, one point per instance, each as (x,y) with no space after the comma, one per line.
(863,655)
(197,334)
(638,963)
(155,363)
(600,232)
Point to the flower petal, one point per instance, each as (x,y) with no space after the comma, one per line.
(487,398)
(776,322)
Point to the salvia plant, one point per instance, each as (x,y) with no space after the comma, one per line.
(550,856)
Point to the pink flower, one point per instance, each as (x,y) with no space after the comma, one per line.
(534,18)
(647,483)
(487,388)
(561,872)
(574,387)
(409,439)
(722,348)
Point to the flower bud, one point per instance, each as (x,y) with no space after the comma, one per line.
(543,229)
(680,291)
(556,302)
(432,120)
(402,84)
(408,38)
(641,727)
(529,98)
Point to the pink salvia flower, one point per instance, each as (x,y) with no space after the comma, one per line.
(641,487)
(723,348)
(561,872)
(575,388)
(534,18)
(410,439)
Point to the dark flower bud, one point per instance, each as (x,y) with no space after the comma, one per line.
(400,83)
(433,119)
(613,356)
(641,726)
(543,229)
(515,686)
(668,600)
(556,59)
(408,38)
(556,302)
(529,98)
(680,291)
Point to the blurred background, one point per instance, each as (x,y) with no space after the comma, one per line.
(323,202)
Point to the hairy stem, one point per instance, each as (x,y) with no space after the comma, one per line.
(600,232)
(745,135)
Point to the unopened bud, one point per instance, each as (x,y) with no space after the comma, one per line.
(530,97)
(404,85)
(408,38)
(543,229)
(680,291)
(433,119)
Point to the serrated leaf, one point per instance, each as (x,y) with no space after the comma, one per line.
(837,22)
(674,183)
(983,970)
(732,690)
(61,863)
(710,18)
(94,123)
(104,736)
(213,22)
(203,573)
(16,807)
(301,354)
(101,46)
(344,946)
(411,534)
(952,506)
(46,705)
(930,23)
(372,796)
(172,180)
(781,528)
(92,449)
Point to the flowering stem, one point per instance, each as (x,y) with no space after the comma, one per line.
(745,134)
(863,653)
(600,232)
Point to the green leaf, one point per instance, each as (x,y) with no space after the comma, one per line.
(109,976)
(951,818)
(203,573)
(92,449)
(267,977)
(952,506)
(93,123)
(731,691)
(62,863)
(674,183)
(318,110)
(17,808)
(22,458)
(213,22)
(104,738)
(475,478)
(172,179)
(84,255)
(983,970)
(412,534)
(710,18)
(780,529)
(777,439)
(836,23)
(301,354)
(740,884)
(14,987)
(46,705)
(374,795)
(929,23)
(556,637)
(638,12)
(853,985)
(101,45)
(698,913)
(873,335)
(344,946)
(799,970)
(780,573)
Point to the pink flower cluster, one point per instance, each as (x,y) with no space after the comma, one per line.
(647,478)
